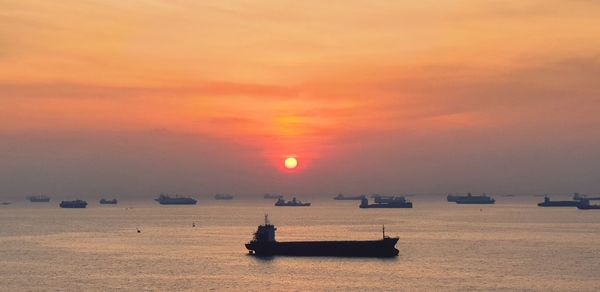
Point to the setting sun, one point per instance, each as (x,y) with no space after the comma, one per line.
(290,163)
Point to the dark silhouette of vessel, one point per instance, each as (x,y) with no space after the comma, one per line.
(73,204)
(264,244)
(341,197)
(293,203)
(223,197)
(397,202)
(39,199)
(387,199)
(549,203)
(584,204)
(176,200)
(104,201)
(269,196)
(471,199)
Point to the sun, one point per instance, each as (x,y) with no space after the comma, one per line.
(290,163)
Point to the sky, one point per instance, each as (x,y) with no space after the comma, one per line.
(134,98)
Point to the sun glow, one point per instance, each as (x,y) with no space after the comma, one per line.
(290,163)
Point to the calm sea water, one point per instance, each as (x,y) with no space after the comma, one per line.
(513,245)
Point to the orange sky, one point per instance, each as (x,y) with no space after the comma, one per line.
(364,85)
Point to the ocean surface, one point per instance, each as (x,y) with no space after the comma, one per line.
(510,246)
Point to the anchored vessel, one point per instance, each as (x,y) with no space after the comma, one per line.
(269,196)
(549,203)
(108,202)
(264,244)
(73,204)
(355,198)
(223,197)
(168,200)
(397,202)
(293,203)
(470,199)
(387,199)
(39,199)
(584,204)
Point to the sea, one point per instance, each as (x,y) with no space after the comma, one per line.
(510,246)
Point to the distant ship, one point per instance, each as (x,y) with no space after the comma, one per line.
(223,197)
(104,201)
(73,204)
(293,203)
(269,196)
(470,199)
(548,203)
(264,244)
(584,204)
(355,198)
(397,202)
(5,203)
(39,199)
(168,200)
(387,199)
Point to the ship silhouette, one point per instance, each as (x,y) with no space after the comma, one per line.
(265,244)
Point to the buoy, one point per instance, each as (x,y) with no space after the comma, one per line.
(138,230)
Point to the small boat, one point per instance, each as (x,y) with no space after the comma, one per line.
(293,203)
(104,201)
(5,203)
(223,197)
(73,204)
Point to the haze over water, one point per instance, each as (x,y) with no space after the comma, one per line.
(129,99)
(513,245)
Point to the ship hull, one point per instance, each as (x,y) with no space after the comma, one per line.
(366,248)
(475,202)
(588,207)
(348,198)
(177,203)
(559,204)
(388,205)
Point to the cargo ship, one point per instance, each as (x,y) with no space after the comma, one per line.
(104,201)
(39,199)
(264,244)
(471,199)
(223,197)
(73,204)
(341,197)
(397,202)
(549,203)
(176,200)
(387,199)
(293,203)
